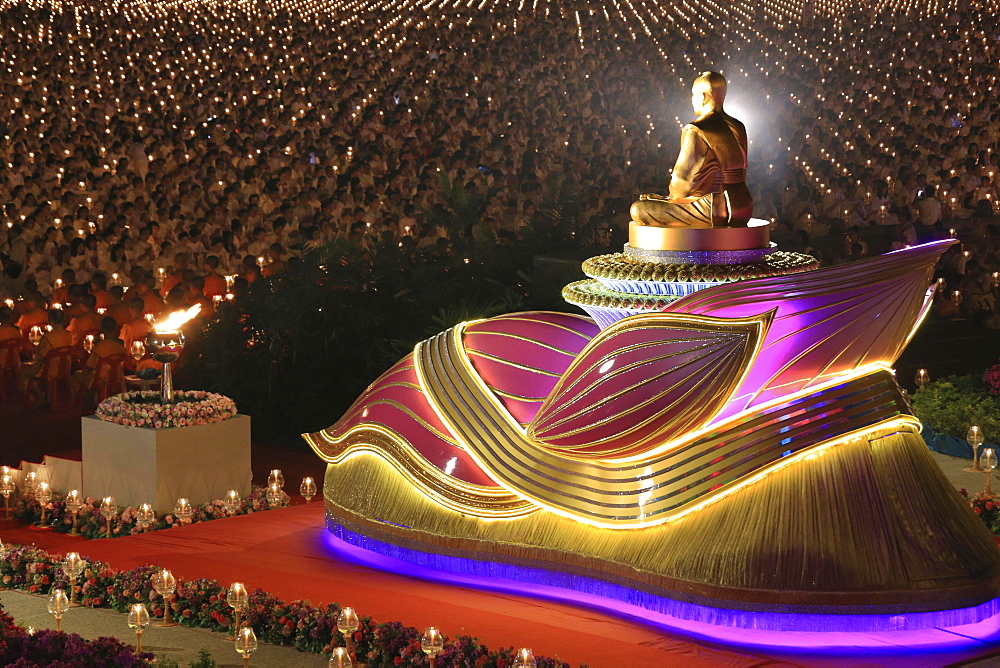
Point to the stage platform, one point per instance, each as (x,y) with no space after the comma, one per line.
(289,553)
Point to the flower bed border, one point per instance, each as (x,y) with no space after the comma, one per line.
(201,603)
(20,647)
(93,525)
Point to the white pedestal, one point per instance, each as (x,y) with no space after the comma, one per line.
(159,466)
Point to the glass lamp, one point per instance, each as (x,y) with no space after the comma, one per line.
(7,487)
(988,462)
(975,438)
(524,659)
(183,511)
(73,566)
(275,496)
(232,501)
(145,516)
(109,510)
(246,644)
(43,494)
(347,624)
(165,584)
(432,642)
(74,502)
(58,605)
(237,598)
(138,619)
(29,482)
(307,489)
(340,658)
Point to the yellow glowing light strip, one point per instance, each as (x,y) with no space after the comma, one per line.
(489,493)
(806,453)
(432,494)
(626,525)
(746,413)
(924,310)
(402,442)
(331,433)
(730,488)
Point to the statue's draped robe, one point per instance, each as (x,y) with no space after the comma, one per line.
(709,178)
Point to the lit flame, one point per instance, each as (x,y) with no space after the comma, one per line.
(176,319)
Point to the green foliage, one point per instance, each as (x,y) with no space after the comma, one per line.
(952,404)
(205,660)
(460,206)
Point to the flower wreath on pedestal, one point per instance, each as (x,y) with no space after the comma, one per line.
(146,409)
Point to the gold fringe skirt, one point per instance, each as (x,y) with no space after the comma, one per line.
(867,526)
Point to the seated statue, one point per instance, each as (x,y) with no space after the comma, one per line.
(708,187)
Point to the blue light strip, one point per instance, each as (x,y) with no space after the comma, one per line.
(900,633)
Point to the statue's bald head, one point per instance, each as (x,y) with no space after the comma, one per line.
(712,84)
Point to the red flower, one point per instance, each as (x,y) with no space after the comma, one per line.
(357,636)
(977,510)
(187,613)
(45,579)
(398,660)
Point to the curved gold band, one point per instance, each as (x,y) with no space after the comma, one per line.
(647,237)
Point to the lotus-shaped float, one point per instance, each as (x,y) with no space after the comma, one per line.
(745,448)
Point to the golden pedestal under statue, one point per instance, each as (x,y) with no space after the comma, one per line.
(756,235)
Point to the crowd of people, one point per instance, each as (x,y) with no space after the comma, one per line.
(162,156)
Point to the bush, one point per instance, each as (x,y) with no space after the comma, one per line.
(952,404)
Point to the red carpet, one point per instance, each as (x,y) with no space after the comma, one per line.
(284,552)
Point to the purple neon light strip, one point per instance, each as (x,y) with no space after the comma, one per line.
(950,630)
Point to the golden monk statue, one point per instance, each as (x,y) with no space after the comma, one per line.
(708,187)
